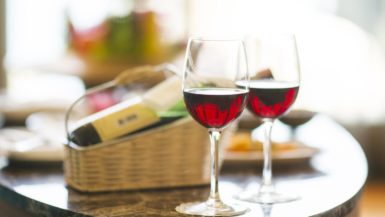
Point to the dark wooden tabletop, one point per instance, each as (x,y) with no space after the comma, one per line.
(328,185)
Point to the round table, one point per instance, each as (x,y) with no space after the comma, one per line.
(329,184)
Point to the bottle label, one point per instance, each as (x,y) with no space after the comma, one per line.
(125,121)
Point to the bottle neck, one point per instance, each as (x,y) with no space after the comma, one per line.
(165,95)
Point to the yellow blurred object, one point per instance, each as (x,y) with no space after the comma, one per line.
(242,142)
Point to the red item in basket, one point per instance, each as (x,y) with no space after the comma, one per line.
(101,100)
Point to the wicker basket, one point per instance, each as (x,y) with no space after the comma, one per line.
(170,156)
(173,155)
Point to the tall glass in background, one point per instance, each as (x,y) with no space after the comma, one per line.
(274,85)
(212,70)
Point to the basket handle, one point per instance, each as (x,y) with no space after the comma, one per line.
(126,77)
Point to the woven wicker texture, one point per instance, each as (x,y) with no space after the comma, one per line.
(169,156)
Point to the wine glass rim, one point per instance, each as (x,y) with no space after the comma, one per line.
(201,38)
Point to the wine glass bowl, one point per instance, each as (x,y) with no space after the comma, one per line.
(212,70)
(273,88)
(270,99)
(215,107)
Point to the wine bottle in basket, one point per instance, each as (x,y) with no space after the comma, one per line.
(159,105)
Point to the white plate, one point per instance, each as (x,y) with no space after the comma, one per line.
(42,153)
(21,144)
(297,155)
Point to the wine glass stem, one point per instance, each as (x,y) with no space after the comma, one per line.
(293,132)
(214,198)
(267,175)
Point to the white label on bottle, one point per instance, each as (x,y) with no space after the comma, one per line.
(125,121)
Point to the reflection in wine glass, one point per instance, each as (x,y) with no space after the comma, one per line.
(273,87)
(212,70)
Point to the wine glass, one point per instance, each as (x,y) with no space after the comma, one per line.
(212,97)
(274,85)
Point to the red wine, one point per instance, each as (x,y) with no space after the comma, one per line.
(215,107)
(271,99)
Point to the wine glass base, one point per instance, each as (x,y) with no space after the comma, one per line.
(203,209)
(268,198)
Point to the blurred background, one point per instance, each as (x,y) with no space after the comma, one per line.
(53,50)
